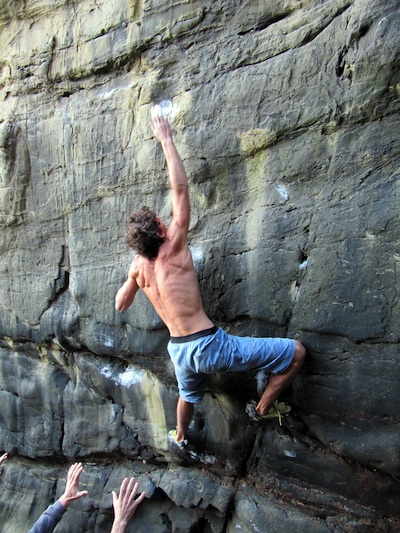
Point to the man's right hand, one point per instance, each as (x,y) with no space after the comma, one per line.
(161,128)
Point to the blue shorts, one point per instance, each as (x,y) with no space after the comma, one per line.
(195,360)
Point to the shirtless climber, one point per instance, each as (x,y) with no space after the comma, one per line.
(163,268)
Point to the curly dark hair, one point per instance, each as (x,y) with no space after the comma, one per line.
(142,233)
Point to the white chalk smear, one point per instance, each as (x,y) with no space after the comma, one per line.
(197,254)
(130,377)
(284,193)
(303,265)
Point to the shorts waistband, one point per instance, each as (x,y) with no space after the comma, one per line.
(195,336)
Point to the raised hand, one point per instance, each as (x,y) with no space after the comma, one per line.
(125,504)
(71,492)
(161,128)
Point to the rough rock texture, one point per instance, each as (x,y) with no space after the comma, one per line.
(286,114)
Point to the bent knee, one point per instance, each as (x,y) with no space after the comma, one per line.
(299,354)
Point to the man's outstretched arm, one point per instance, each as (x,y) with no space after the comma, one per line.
(177,177)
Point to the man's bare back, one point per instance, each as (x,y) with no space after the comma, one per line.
(170,283)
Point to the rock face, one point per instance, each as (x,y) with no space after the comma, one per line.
(286,114)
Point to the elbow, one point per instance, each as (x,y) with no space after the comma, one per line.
(119,305)
(124,297)
(122,303)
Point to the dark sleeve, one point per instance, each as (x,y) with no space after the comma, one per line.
(49,519)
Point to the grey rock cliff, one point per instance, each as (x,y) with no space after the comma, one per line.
(287,117)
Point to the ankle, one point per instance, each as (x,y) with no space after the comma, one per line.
(263,406)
